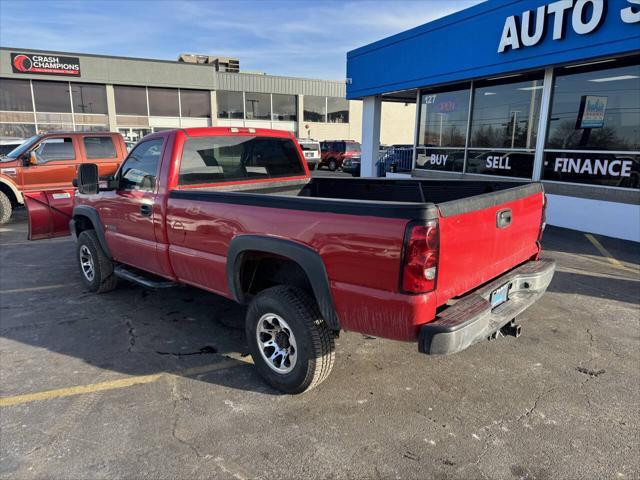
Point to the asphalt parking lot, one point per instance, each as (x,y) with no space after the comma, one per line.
(139,383)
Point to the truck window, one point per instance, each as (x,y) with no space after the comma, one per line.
(221,159)
(141,166)
(55,149)
(99,147)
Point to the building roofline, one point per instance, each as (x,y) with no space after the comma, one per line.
(154,60)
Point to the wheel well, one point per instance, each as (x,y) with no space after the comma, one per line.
(82,223)
(6,189)
(259,271)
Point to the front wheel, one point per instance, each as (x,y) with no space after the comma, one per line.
(312,166)
(290,343)
(5,208)
(96,268)
(333,165)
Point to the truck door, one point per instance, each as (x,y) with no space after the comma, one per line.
(128,212)
(49,212)
(57,160)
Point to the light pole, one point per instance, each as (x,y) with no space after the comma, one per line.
(513,128)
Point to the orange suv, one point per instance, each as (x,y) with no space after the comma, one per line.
(49,161)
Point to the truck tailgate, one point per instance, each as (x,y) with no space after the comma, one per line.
(476,248)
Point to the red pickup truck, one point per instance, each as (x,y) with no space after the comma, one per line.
(233,211)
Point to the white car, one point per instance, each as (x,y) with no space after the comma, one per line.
(311,152)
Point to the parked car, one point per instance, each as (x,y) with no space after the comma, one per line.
(234,212)
(352,165)
(49,162)
(311,152)
(335,151)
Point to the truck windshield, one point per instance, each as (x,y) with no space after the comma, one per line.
(215,159)
(23,147)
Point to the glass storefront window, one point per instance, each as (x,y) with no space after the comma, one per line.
(596,109)
(443,118)
(443,159)
(285,107)
(503,163)
(163,102)
(51,96)
(195,103)
(315,109)
(130,100)
(15,95)
(89,98)
(442,129)
(608,169)
(506,115)
(230,105)
(16,131)
(594,125)
(337,110)
(257,106)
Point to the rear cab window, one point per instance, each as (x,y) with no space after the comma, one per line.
(99,147)
(214,159)
(55,149)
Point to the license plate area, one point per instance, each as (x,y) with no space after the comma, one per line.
(500,295)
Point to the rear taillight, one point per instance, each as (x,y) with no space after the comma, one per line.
(543,219)
(420,261)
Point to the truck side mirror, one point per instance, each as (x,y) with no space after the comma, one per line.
(88,179)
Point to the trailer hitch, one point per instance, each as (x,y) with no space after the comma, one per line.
(510,329)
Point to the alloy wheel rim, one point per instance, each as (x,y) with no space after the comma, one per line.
(86,263)
(276,343)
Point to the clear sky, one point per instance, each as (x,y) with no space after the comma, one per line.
(281,37)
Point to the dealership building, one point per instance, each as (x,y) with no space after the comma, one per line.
(520,90)
(43,91)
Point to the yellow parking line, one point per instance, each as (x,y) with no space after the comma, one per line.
(36,289)
(605,253)
(120,383)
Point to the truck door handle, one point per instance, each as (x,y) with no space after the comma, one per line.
(145,210)
(503,218)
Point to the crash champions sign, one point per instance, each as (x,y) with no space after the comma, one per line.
(45,64)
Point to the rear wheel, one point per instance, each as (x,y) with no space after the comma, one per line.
(290,343)
(96,268)
(333,165)
(312,166)
(5,208)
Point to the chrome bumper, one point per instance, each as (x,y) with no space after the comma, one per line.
(472,319)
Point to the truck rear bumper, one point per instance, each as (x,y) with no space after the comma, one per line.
(472,318)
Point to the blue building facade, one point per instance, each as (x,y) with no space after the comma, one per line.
(523,90)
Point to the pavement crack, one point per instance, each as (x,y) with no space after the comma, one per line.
(592,373)
(206,350)
(177,398)
(132,334)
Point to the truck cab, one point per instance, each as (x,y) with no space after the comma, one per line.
(50,161)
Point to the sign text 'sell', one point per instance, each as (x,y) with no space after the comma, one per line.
(43,64)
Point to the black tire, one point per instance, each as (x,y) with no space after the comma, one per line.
(312,166)
(88,248)
(5,208)
(313,339)
(333,165)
